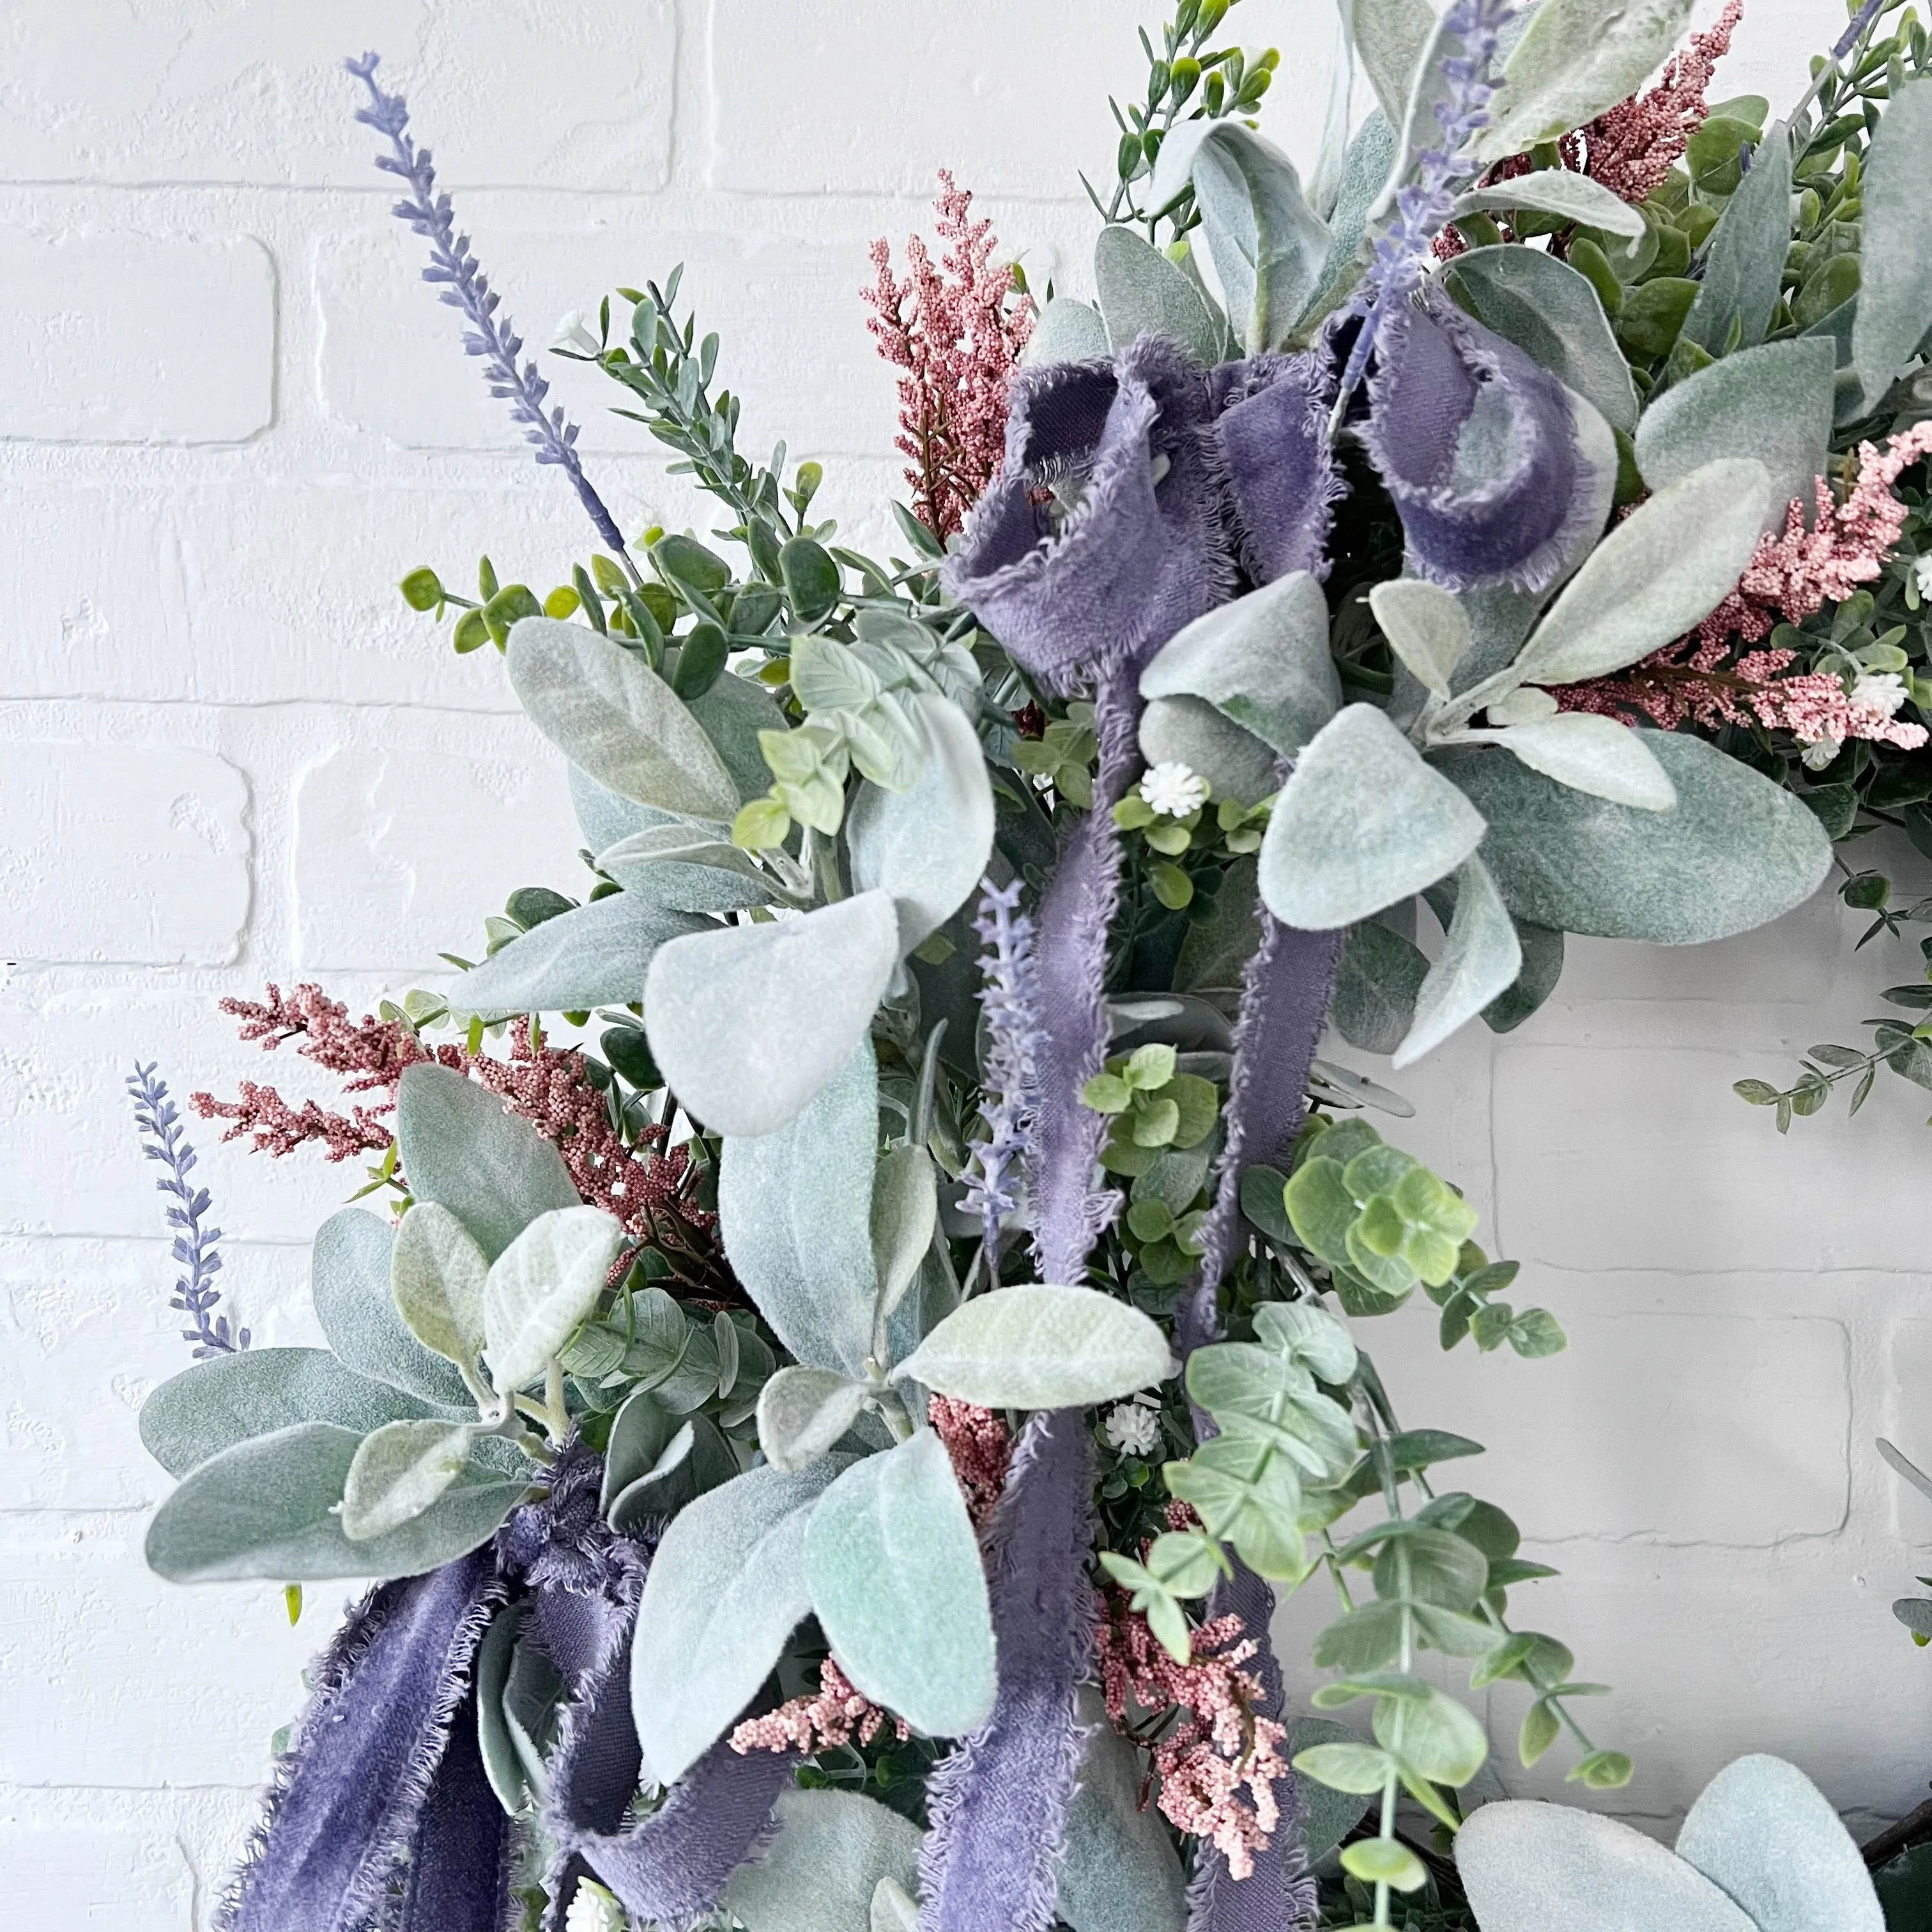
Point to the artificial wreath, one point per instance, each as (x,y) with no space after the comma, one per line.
(860,1312)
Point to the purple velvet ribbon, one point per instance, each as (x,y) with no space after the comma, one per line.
(1478,447)
(1268,448)
(998,1803)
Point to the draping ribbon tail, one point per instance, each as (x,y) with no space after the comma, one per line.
(1279,1894)
(458,1876)
(669,1869)
(998,1803)
(1268,452)
(1496,469)
(351,1791)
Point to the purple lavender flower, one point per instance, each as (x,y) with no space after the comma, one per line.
(1011,1001)
(162,1140)
(492,337)
(1860,20)
(1422,208)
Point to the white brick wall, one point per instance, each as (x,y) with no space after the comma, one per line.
(232,417)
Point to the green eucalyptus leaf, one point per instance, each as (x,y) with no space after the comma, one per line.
(542,1287)
(1772,403)
(1362,823)
(267,1508)
(696,1460)
(893,1567)
(795,1208)
(1744,261)
(1738,851)
(728,1586)
(833,1851)
(1263,660)
(803,1411)
(1552,314)
(349,1268)
(1269,246)
(1895,288)
(1657,574)
(1479,963)
(1577,58)
(1040,1347)
(1118,1871)
(640,1434)
(1142,293)
(1332,1814)
(749,1022)
(230,1399)
(927,846)
(1436,1737)
(605,709)
(1575,197)
(1067,332)
(399,1470)
(436,1273)
(461,1146)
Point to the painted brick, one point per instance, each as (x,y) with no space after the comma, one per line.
(135,338)
(136,854)
(376,828)
(132,1880)
(184,91)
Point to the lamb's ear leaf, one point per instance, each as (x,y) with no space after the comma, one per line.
(399,1470)
(1552,314)
(1427,627)
(1479,963)
(731,712)
(1362,823)
(501,1764)
(593,956)
(1119,1872)
(894,1909)
(1773,403)
(802,1412)
(349,1274)
(1657,574)
(904,1214)
(1528,1867)
(1376,981)
(1141,291)
(1738,851)
(1557,191)
(1744,260)
(267,1508)
(1269,246)
(541,1288)
(897,1587)
(1895,258)
(231,1398)
(1577,58)
(825,1868)
(1040,1347)
(607,711)
(1590,753)
(640,1434)
(1390,36)
(1067,332)
(749,1022)
(727,1586)
(1542,967)
(696,1460)
(684,869)
(1371,154)
(437,1274)
(1765,1834)
(1190,731)
(460,1146)
(1263,660)
(927,846)
(795,1208)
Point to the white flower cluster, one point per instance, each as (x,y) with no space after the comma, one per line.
(1133,1428)
(1173,790)
(593,1910)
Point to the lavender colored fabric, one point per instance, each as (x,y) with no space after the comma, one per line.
(352,1789)
(998,1804)
(1279,1895)
(1478,447)
(458,1878)
(1268,449)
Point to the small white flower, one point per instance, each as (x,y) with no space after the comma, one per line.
(1132,1429)
(1173,791)
(573,331)
(593,1910)
(1922,568)
(1882,692)
(1818,756)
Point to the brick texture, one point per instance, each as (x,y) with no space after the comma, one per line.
(235,416)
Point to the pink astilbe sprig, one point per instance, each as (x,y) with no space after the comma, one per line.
(647,1189)
(956,327)
(1632,146)
(1217,1758)
(1791,577)
(981,1448)
(834,1714)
